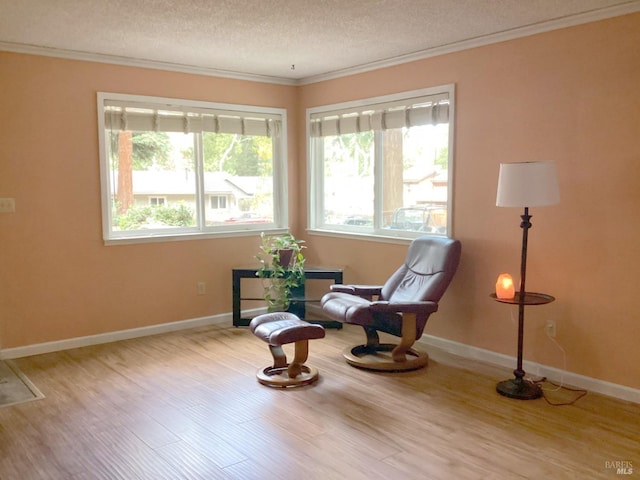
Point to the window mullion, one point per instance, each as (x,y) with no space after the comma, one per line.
(280,181)
(200,190)
(317,185)
(378,180)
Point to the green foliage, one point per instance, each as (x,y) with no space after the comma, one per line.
(241,155)
(134,218)
(349,151)
(280,278)
(442,157)
(149,149)
(177,216)
(169,216)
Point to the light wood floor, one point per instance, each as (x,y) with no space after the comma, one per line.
(187,405)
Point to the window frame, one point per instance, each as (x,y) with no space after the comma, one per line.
(315,178)
(280,175)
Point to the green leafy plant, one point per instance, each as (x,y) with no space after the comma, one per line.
(281,268)
(170,216)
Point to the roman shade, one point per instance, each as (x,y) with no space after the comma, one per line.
(167,118)
(410,112)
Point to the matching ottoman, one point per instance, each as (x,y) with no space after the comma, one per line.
(280,328)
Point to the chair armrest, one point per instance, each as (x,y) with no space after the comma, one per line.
(360,290)
(338,287)
(404,307)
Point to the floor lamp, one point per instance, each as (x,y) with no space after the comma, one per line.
(527,184)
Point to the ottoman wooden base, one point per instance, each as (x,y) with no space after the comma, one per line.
(279,377)
(278,329)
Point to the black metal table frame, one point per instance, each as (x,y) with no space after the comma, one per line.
(298,298)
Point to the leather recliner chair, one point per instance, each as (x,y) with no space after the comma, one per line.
(400,307)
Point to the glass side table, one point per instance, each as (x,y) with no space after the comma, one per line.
(299,296)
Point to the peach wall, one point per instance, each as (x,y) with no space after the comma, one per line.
(570,96)
(58,279)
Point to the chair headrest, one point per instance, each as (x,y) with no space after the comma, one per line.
(431,254)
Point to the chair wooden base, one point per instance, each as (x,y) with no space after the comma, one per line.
(381,358)
(279,376)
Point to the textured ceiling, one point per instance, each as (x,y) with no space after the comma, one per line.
(264,38)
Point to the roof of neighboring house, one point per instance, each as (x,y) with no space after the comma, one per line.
(158,182)
(248,185)
(419,175)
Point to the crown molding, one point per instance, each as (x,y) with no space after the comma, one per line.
(512,34)
(632,6)
(141,63)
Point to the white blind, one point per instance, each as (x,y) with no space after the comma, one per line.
(428,110)
(121,115)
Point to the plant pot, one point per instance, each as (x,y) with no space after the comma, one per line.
(285,257)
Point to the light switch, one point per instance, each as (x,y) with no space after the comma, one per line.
(7,205)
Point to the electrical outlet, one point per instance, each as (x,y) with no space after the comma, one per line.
(7,205)
(202,288)
(550,328)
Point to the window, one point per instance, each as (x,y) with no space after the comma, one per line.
(178,168)
(218,201)
(383,166)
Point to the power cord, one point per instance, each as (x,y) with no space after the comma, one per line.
(581,392)
(559,386)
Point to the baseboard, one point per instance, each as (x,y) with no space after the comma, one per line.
(620,392)
(48,347)
(466,351)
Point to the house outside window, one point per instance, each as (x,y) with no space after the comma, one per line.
(383,166)
(178,168)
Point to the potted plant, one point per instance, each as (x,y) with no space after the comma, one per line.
(281,268)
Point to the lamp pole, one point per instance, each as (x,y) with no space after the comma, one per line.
(518,387)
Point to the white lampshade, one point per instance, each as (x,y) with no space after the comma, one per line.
(527,184)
